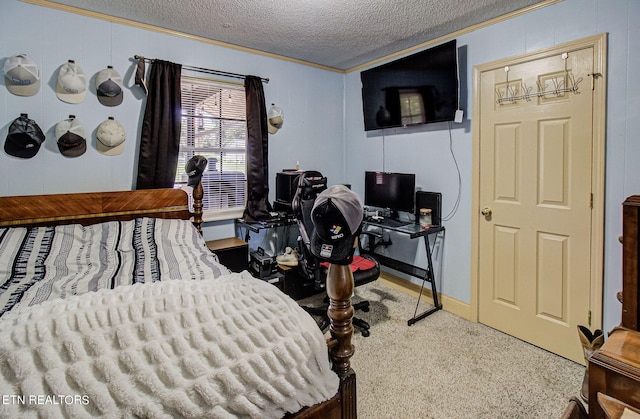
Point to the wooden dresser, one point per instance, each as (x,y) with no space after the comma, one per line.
(614,369)
(630,262)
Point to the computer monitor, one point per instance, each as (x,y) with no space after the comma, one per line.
(394,191)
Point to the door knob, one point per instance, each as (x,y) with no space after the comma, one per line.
(486,211)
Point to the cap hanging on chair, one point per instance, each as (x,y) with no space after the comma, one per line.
(337,215)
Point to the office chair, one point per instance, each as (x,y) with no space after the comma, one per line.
(365,268)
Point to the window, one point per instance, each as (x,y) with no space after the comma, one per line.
(411,107)
(214,125)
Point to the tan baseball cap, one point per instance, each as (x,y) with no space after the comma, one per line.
(111,137)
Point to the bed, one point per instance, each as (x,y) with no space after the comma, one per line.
(111,305)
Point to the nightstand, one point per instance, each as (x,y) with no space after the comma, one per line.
(232,253)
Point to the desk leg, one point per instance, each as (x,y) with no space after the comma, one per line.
(429,277)
(246,236)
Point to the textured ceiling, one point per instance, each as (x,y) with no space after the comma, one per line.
(341,34)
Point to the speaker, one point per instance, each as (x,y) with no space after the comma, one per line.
(432,200)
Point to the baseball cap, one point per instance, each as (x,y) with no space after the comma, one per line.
(72,83)
(70,137)
(111,136)
(194,168)
(336,215)
(109,87)
(24,138)
(274,118)
(21,75)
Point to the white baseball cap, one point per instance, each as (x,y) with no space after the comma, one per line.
(72,83)
(21,75)
(274,118)
(111,136)
(109,87)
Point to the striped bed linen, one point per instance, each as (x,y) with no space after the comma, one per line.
(43,263)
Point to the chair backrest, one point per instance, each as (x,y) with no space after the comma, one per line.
(310,184)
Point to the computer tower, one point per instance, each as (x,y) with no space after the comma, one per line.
(432,200)
(286,185)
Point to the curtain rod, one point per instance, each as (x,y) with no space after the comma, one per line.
(204,70)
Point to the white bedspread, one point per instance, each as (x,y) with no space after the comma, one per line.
(228,347)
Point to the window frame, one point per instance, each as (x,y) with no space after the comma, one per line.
(192,121)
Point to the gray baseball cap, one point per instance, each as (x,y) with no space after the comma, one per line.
(336,215)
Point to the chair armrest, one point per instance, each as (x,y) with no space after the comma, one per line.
(372,234)
(374,239)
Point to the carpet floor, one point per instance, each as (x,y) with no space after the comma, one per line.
(447,367)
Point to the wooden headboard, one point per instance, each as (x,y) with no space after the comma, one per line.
(95,207)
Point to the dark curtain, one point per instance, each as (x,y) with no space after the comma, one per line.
(258,206)
(160,138)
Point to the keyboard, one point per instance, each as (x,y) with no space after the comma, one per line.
(388,222)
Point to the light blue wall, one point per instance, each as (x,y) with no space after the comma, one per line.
(311,99)
(426,153)
(323,126)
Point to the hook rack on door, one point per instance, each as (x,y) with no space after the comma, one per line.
(512,93)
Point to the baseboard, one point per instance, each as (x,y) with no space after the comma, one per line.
(449,304)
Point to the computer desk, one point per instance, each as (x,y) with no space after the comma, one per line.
(413,231)
(255,227)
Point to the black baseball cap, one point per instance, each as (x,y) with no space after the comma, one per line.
(194,168)
(24,138)
(336,215)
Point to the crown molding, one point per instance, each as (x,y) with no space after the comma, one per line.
(421,46)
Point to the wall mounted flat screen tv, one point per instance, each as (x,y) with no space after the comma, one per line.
(395,191)
(419,89)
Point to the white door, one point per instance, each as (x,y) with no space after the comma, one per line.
(535,199)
